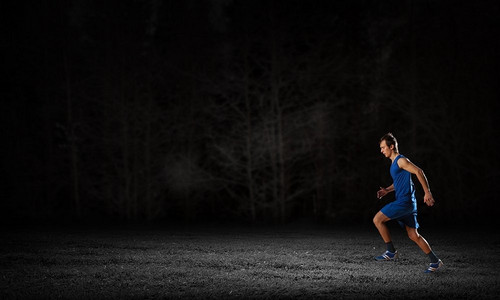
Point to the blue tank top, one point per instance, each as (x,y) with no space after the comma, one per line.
(403,185)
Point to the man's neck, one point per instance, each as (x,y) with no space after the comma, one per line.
(393,156)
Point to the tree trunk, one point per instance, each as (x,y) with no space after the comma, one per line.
(278,133)
(73,148)
(249,152)
(413,113)
(147,158)
(125,153)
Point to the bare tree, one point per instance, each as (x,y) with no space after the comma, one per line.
(270,128)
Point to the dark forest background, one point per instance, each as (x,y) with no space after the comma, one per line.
(246,111)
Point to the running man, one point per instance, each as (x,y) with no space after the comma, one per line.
(404,208)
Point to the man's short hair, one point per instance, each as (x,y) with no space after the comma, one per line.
(390,139)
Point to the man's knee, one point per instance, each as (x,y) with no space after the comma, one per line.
(379,218)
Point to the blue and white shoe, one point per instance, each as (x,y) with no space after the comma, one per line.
(433,267)
(387,256)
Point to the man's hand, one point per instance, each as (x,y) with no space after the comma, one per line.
(382,192)
(428,199)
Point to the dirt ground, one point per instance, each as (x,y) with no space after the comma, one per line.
(243,263)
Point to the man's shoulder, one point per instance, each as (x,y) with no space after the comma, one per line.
(402,160)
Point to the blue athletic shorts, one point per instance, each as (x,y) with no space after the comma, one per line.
(404,214)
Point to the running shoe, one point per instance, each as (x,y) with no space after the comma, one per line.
(433,267)
(387,256)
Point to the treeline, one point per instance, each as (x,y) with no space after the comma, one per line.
(257,112)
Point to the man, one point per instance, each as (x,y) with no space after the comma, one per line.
(404,208)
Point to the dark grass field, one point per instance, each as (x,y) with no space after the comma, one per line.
(243,263)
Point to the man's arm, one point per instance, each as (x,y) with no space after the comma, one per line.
(407,165)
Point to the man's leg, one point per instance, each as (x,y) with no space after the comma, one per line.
(379,221)
(436,263)
(418,239)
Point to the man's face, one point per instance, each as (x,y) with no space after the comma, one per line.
(384,149)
